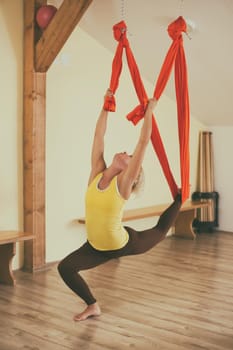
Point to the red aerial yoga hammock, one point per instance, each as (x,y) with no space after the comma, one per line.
(175,57)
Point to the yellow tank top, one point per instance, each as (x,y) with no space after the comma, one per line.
(104,210)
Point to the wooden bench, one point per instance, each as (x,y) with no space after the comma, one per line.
(183,226)
(8,241)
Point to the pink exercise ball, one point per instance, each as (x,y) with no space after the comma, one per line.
(44,15)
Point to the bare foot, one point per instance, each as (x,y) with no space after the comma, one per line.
(90,311)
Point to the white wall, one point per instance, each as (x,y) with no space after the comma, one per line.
(223,167)
(11,71)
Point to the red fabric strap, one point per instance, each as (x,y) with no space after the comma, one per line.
(175,57)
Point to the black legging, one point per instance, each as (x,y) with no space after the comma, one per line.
(87,257)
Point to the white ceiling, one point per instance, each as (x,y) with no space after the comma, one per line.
(209,52)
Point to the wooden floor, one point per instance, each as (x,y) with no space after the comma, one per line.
(178,296)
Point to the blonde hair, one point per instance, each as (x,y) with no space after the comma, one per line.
(139,183)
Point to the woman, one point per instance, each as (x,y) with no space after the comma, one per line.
(108,190)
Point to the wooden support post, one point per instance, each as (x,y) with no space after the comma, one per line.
(34,145)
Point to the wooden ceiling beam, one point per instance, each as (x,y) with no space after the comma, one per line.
(58,31)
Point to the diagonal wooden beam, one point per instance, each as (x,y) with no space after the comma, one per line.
(58,31)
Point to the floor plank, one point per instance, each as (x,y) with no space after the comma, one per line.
(177,296)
